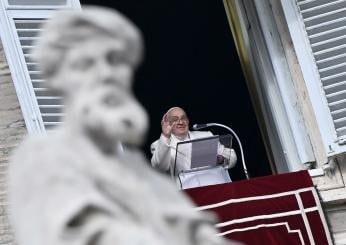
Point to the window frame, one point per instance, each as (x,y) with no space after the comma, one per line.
(272,83)
(69,4)
(16,61)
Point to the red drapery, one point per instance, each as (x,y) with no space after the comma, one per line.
(277,209)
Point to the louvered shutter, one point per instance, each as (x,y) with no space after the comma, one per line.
(325,25)
(37,2)
(21,23)
(50,105)
(318,32)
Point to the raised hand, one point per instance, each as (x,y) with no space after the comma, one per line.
(166,126)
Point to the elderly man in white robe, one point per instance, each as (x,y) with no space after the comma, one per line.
(73,186)
(175,129)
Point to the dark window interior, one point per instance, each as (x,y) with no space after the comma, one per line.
(191,61)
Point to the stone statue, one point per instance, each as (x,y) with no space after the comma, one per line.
(73,187)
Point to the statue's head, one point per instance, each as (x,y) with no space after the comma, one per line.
(90,56)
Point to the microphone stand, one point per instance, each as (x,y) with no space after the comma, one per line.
(200,126)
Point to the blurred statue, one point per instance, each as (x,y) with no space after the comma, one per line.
(73,186)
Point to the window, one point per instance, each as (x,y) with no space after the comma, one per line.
(271,83)
(319,38)
(311,57)
(37,2)
(20,28)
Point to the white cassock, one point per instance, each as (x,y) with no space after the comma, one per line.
(164,153)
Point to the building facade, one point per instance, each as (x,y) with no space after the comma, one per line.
(26,105)
(293,54)
(12,130)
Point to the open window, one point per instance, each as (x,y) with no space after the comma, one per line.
(293,54)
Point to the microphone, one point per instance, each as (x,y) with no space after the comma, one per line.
(206,125)
(199,126)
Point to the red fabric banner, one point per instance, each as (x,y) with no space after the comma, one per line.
(277,209)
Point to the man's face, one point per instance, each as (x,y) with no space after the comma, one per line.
(178,119)
(98,76)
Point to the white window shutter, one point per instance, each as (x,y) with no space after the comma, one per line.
(20,27)
(325,24)
(37,2)
(318,31)
(49,105)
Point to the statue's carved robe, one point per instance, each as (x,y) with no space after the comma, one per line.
(63,191)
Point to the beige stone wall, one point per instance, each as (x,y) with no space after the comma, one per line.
(12,130)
